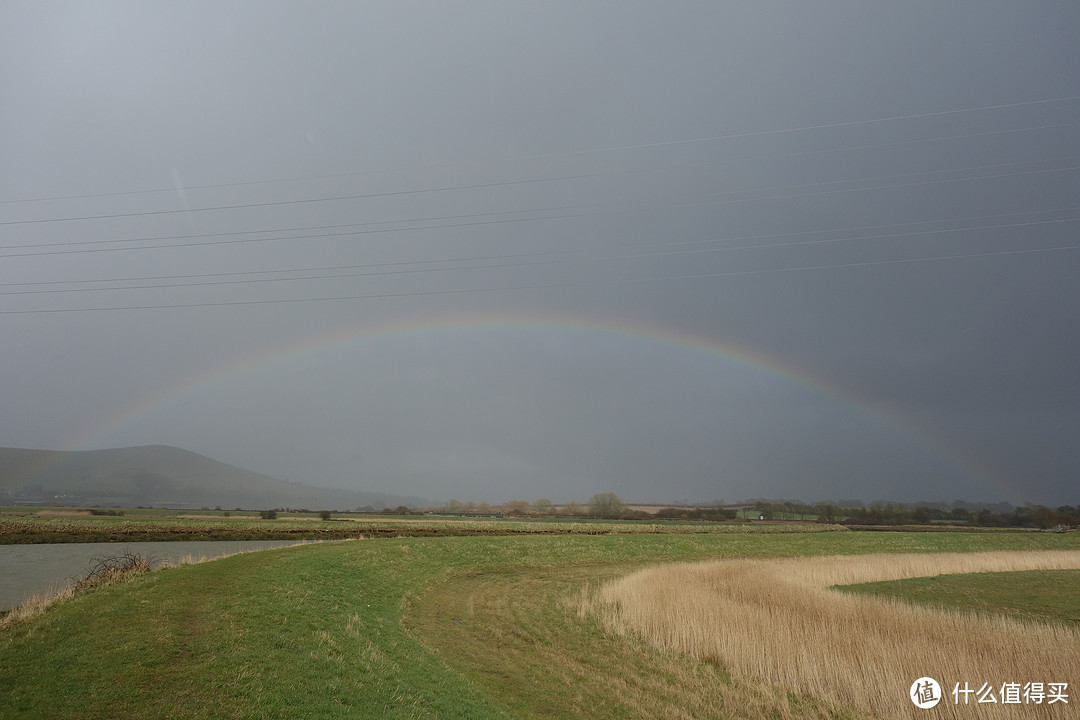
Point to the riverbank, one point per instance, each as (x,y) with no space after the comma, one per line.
(42,570)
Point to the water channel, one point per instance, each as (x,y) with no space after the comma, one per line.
(28,570)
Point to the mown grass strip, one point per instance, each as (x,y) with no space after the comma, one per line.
(515,634)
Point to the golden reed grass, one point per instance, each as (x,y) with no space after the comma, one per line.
(776,620)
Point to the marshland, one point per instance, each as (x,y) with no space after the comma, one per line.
(565,624)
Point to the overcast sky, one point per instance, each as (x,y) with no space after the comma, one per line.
(484,251)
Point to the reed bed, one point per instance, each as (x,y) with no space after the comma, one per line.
(779,621)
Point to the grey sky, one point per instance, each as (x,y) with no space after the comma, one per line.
(674,251)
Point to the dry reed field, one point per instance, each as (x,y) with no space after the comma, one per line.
(777,620)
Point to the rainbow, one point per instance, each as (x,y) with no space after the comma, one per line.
(109,431)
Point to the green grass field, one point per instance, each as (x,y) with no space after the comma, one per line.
(1043,595)
(420,627)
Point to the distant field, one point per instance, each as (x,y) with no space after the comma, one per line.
(22,524)
(420,627)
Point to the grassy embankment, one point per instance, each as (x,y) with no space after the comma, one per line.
(454,627)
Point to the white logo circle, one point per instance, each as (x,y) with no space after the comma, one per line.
(925,692)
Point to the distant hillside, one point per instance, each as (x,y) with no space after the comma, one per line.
(161,475)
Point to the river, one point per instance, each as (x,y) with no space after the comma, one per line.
(28,570)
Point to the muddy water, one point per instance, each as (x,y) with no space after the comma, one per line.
(28,570)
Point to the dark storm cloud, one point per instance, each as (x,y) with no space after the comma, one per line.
(882,200)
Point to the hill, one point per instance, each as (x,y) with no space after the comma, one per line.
(161,475)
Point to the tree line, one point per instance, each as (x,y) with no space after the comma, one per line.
(602,505)
(611,506)
(884,513)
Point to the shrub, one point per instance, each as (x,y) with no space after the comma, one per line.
(268,514)
(606,505)
(105,570)
(324,514)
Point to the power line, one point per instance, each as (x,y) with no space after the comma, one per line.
(279,301)
(330,176)
(546,217)
(185,188)
(909,141)
(853,228)
(298,237)
(567,255)
(337,226)
(520,259)
(276,203)
(823,183)
(608,149)
(824,126)
(580,256)
(887,236)
(892,187)
(867,263)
